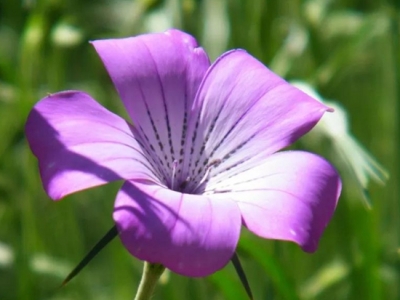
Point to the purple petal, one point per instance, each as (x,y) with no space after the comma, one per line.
(245,113)
(157,77)
(80,144)
(290,196)
(192,235)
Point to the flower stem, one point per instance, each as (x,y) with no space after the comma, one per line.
(151,274)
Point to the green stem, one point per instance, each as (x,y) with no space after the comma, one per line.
(151,274)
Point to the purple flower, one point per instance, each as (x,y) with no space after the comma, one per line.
(200,159)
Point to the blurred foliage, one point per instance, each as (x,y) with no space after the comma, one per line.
(348,50)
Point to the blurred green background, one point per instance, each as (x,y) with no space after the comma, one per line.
(347,49)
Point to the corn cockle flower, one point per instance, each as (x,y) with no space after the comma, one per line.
(200,158)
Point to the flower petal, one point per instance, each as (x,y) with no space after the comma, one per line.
(80,144)
(190,234)
(290,196)
(246,112)
(157,77)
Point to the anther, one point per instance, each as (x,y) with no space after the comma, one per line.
(214,162)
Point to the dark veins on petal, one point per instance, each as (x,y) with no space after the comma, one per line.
(201,166)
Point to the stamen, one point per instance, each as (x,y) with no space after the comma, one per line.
(213,163)
(174,167)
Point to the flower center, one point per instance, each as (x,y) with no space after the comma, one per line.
(191,185)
